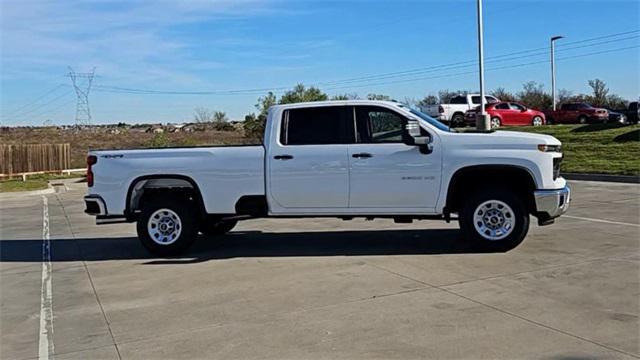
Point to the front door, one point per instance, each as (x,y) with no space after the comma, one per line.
(308,167)
(385,172)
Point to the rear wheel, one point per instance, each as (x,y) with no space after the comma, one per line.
(167,226)
(495,122)
(537,121)
(494,219)
(457,120)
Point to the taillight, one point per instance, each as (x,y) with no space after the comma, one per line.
(91,160)
(440,109)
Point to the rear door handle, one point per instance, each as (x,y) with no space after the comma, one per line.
(283,157)
(362,155)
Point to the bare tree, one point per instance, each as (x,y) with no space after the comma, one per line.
(429,100)
(600,92)
(202,115)
(220,116)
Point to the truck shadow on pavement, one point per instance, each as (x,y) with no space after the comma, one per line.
(248,244)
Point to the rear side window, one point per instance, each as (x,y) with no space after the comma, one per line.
(316,126)
(568,107)
(502,106)
(458,100)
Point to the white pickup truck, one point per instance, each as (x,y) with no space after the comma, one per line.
(453,112)
(343,159)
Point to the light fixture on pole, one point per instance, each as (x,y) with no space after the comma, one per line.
(553,69)
(482,121)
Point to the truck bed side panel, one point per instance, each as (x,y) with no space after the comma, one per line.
(223,174)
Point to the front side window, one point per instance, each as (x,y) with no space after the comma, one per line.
(502,106)
(316,126)
(379,125)
(517,107)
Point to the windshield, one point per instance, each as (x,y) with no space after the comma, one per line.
(431,120)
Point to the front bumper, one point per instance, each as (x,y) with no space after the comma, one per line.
(551,203)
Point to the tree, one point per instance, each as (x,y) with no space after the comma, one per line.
(616,102)
(503,94)
(564,96)
(253,127)
(378,97)
(533,96)
(352,96)
(600,92)
(429,100)
(264,103)
(302,94)
(446,95)
(220,116)
(202,115)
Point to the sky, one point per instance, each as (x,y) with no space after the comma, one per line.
(156,61)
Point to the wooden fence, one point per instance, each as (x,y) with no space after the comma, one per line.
(16,159)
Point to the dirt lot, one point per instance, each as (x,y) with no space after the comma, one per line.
(321,288)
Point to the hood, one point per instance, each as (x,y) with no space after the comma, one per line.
(503,140)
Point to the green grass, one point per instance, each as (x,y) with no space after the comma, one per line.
(596,148)
(34,182)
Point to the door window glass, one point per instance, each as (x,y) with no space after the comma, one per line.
(379,125)
(317,126)
(517,107)
(502,106)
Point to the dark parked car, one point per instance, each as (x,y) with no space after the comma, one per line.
(617,117)
(632,113)
(577,113)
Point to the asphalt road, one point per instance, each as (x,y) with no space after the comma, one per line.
(321,288)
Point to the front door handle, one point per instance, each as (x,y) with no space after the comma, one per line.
(283,157)
(362,155)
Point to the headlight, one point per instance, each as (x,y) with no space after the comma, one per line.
(550,148)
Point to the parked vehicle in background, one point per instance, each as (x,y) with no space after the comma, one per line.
(577,113)
(508,114)
(616,117)
(453,113)
(343,159)
(632,113)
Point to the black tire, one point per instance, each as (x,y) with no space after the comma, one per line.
(518,212)
(457,120)
(583,119)
(549,121)
(218,228)
(186,222)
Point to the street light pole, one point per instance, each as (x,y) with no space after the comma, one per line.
(553,69)
(482,120)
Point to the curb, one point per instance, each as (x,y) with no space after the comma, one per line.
(629,179)
(49,190)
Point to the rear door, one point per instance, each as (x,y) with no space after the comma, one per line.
(385,172)
(520,114)
(505,112)
(309,165)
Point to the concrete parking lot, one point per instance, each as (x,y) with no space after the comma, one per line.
(321,288)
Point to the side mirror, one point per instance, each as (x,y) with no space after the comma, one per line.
(414,137)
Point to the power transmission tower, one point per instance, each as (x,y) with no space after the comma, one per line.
(82,85)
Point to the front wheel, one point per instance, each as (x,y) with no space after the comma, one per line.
(494,220)
(167,227)
(583,120)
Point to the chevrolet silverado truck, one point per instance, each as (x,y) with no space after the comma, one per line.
(342,159)
(453,113)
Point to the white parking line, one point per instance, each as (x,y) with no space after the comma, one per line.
(601,221)
(46,298)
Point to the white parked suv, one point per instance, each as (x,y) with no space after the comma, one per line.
(343,159)
(453,113)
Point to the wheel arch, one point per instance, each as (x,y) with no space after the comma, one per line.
(467,179)
(161,182)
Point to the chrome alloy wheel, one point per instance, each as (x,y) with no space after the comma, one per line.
(164,226)
(495,123)
(494,220)
(537,121)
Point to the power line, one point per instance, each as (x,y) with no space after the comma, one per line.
(34,101)
(30,111)
(405,73)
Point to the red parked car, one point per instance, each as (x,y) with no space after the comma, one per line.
(578,113)
(508,114)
